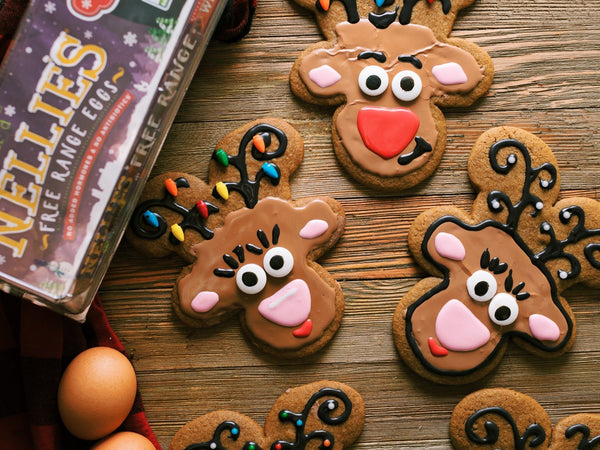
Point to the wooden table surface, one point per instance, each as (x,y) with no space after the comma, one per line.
(547,62)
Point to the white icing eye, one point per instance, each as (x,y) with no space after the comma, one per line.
(503,309)
(373,80)
(251,279)
(481,286)
(406,85)
(278,262)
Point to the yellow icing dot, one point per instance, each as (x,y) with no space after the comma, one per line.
(222,190)
(177,232)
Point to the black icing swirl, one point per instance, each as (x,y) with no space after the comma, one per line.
(324,412)
(534,434)
(191,218)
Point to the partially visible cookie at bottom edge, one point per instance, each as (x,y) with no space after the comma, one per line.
(499,418)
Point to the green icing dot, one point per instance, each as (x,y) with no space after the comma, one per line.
(251,447)
(284,415)
(222,157)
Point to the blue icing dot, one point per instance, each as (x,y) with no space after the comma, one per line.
(270,170)
(234,431)
(150,218)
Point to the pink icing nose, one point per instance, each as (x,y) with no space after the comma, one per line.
(385,131)
(289,306)
(457,328)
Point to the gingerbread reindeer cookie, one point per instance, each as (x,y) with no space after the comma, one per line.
(499,271)
(325,415)
(503,418)
(253,249)
(389,65)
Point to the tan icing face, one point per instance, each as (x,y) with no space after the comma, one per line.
(287,305)
(389,77)
(492,290)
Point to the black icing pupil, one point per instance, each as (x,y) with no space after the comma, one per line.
(249,279)
(481,288)
(407,84)
(276,262)
(373,82)
(502,313)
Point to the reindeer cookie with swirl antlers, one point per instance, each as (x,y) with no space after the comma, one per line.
(390,64)
(499,271)
(253,249)
(325,413)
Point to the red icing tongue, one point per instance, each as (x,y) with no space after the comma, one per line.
(304,329)
(387,132)
(435,348)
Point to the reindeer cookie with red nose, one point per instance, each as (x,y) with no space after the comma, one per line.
(390,64)
(499,271)
(253,249)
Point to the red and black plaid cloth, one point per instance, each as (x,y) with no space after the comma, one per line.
(36,344)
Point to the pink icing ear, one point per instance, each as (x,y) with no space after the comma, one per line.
(449,246)
(324,76)
(449,74)
(543,328)
(314,228)
(205,301)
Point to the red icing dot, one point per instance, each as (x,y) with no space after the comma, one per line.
(202,209)
(326,443)
(278,446)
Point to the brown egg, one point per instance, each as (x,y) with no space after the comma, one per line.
(96,392)
(124,440)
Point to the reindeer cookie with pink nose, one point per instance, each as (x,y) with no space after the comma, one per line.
(499,271)
(253,249)
(390,64)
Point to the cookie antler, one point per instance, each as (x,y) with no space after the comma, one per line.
(556,247)
(324,413)
(496,199)
(260,136)
(573,216)
(152,225)
(215,442)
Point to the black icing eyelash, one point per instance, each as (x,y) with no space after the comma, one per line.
(495,266)
(239,252)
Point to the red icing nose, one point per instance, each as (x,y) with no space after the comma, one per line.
(385,131)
